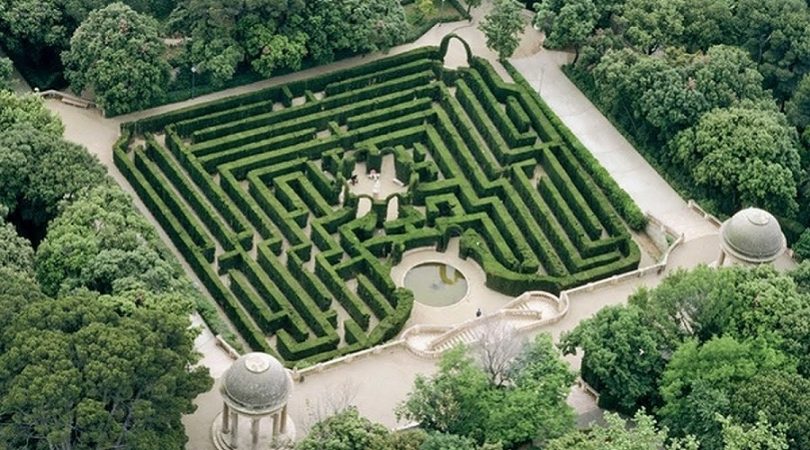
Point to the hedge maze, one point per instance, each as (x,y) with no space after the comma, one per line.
(253,191)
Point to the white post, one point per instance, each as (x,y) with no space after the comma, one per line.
(235,429)
(254,433)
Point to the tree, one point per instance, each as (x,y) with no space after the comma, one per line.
(43,170)
(802,245)
(798,108)
(449,401)
(528,406)
(700,379)
(346,430)
(649,24)
(425,8)
(499,344)
(100,242)
(82,374)
(28,109)
(777,35)
(6,70)
(441,441)
(707,23)
(472,4)
(502,27)
(623,357)
(15,251)
(32,25)
(269,50)
(760,436)
(643,434)
(781,398)
(748,155)
(358,26)
(118,53)
(566,24)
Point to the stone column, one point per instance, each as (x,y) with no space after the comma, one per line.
(254,433)
(721,259)
(226,424)
(235,429)
(275,424)
(283,425)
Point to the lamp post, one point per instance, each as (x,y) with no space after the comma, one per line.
(193,73)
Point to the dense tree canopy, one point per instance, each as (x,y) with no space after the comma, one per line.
(700,379)
(462,399)
(84,370)
(749,156)
(79,373)
(16,253)
(566,23)
(617,435)
(99,243)
(39,170)
(118,53)
(666,340)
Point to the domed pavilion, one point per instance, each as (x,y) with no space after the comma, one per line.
(752,236)
(255,387)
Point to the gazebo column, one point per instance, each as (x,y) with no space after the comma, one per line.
(276,427)
(721,259)
(226,413)
(283,425)
(254,433)
(234,429)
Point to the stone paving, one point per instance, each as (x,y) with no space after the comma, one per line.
(377,383)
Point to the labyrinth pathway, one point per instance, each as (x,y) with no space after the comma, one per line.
(256,193)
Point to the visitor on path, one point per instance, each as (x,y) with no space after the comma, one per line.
(478,312)
(353,179)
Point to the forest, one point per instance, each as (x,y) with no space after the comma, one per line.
(174,49)
(714,93)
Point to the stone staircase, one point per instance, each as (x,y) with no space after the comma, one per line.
(527,311)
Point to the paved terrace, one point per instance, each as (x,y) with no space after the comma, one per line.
(377,383)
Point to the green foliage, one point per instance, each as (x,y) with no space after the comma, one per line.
(73,362)
(760,436)
(649,24)
(798,108)
(28,109)
(642,434)
(622,357)
(101,243)
(442,441)
(118,54)
(462,399)
(700,380)
(269,51)
(566,23)
(354,25)
(802,246)
(749,156)
(346,430)
(283,169)
(502,27)
(16,253)
(425,7)
(781,398)
(6,70)
(40,169)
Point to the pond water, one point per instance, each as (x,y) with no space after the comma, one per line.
(436,284)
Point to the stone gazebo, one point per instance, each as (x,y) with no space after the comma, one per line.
(752,236)
(255,387)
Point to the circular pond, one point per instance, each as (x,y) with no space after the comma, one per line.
(436,284)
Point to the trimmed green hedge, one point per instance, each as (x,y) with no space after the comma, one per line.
(256,188)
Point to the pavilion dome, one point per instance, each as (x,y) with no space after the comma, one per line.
(256,383)
(752,235)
